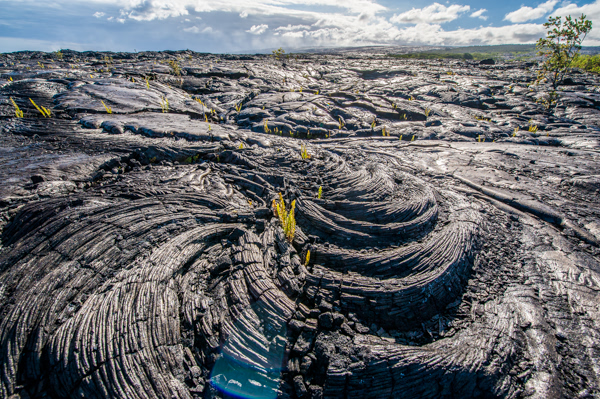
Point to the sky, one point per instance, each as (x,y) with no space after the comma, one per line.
(227,26)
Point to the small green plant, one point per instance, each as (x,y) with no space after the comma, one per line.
(400,138)
(108,109)
(307,258)
(147,79)
(413,138)
(411,98)
(288,222)
(267,130)
(515,132)
(341,123)
(238,107)
(241,147)
(320,194)
(427,111)
(58,54)
(164,104)
(373,124)
(175,69)
(18,112)
(533,128)
(304,152)
(278,53)
(41,65)
(43,110)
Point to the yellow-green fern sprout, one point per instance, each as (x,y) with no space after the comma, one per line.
(108,109)
(44,111)
(18,112)
(304,152)
(288,222)
(164,104)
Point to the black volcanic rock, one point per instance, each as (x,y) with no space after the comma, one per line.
(487,61)
(446,241)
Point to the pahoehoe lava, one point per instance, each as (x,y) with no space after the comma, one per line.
(453,251)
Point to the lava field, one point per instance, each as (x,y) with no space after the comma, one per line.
(447,228)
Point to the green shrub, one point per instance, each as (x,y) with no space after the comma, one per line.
(589,63)
(560,46)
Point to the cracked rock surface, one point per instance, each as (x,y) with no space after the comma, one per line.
(454,251)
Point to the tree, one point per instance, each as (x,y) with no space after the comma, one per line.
(559,47)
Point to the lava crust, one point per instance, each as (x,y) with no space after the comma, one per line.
(446,244)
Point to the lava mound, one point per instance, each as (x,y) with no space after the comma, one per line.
(331,226)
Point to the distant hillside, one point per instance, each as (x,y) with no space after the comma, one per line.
(501,48)
(498,52)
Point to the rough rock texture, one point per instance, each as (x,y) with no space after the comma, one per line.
(453,253)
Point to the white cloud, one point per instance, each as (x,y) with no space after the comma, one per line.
(433,14)
(526,13)
(258,29)
(292,28)
(148,10)
(160,9)
(435,35)
(479,14)
(329,23)
(591,11)
(99,14)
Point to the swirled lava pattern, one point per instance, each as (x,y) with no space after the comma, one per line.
(141,256)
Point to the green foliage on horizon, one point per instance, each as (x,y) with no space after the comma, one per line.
(443,56)
(589,63)
(473,52)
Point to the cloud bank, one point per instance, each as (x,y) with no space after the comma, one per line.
(235,25)
(525,13)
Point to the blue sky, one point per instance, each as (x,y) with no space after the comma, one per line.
(222,26)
